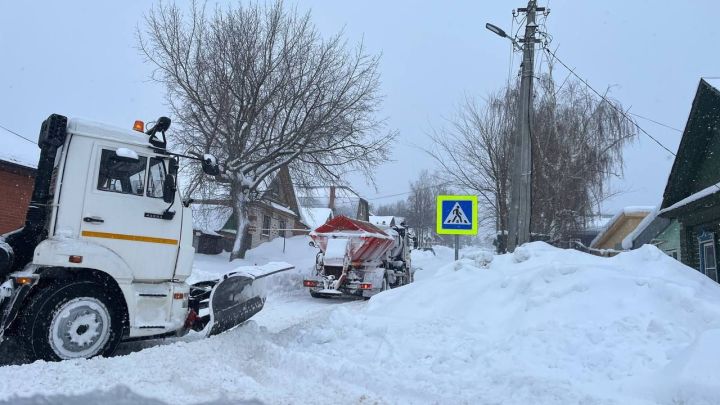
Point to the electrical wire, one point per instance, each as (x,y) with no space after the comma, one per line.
(613,106)
(405,193)
(18,135)
(623,113)
(655,122)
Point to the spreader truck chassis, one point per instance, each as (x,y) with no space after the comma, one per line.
(358,259)
(107,247)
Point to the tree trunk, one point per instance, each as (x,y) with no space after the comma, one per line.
(240,200)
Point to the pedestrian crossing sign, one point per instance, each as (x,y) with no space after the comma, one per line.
(457,215)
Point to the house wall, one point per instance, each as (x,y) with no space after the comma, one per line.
(669,240)
(692,224)
(613,238)
(16,186)
(256,232)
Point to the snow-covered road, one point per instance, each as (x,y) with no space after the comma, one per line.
(541,326)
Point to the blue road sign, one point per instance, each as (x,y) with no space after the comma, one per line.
(457,214)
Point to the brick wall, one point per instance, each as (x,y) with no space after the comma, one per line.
(16,185)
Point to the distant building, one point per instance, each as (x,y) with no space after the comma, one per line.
(341,200)
(16,186)
(619,227)
(657,231)
(274,213)
(383,220)
(692,194)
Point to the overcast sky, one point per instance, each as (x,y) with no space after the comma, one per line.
(80,59)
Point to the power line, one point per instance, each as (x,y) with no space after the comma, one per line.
(655,122)
(406,192)
(18,135)
(623,113)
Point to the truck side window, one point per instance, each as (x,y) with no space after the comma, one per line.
(121,176)
(156,178)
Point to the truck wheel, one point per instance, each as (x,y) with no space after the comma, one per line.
(385,284)
(70,321)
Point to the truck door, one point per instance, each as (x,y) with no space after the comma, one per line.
(123,210)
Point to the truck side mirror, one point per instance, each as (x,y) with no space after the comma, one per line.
(210,165)
(173,166)
(169,189)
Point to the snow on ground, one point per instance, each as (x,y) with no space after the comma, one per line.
(540,326)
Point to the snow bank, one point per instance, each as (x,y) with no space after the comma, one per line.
(540,326)
(298,252)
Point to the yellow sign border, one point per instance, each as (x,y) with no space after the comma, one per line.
(439,219)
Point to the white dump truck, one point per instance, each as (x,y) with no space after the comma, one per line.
(359,259)
(107,247)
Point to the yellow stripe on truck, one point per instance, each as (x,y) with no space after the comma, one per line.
(136,238)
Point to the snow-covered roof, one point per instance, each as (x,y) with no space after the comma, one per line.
(209,218)
(627,211)
(693,197)
(18,151)
(281,207)
(314,217)
(627,242)
(385,220)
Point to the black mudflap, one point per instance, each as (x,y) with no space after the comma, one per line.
(233,301)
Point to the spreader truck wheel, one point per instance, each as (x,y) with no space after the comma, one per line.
(70,321)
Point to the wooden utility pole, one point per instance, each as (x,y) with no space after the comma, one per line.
(521,180)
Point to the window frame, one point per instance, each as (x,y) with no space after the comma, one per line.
(147,180)
(98,165)
(706,240)
(265,231)
(282,225)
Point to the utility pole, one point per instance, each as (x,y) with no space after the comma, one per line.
(521,180)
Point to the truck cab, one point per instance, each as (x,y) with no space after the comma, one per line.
(107,244)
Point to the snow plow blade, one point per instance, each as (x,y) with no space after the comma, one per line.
(233,299)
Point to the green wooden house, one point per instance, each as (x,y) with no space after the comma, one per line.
(692,193)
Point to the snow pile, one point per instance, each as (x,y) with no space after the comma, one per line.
(540,326)
(298,252)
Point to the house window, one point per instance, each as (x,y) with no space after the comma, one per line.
(672,253)
(265,231)
(282,225)
(708,258)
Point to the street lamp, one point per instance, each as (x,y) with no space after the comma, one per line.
(495,29)
(502,34)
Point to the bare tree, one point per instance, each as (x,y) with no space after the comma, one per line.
(578,140)
(474,153)
(257,86)
(421,203)
(397,209)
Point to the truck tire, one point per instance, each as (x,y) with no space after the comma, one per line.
(72,320)
(385,284)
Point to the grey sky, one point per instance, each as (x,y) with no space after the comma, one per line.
(79,59)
